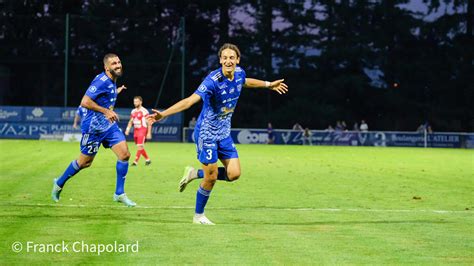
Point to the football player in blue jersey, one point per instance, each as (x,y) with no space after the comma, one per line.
(99,127)
(80,114)
(219,92)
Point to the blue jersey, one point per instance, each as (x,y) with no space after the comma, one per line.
(81,112)
(102,91)
(219,96)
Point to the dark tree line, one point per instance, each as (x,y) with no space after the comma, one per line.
(344,60)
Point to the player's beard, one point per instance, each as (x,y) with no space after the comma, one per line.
(116,73)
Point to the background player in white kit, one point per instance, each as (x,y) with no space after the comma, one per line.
(141,129)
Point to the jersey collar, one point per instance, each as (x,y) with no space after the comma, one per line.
(225,78)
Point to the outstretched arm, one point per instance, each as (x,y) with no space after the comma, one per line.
(121,88)
(276,85)
(176,108)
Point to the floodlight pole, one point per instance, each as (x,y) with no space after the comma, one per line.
(66,59)
(183,54)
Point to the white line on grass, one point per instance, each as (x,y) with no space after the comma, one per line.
(237,208)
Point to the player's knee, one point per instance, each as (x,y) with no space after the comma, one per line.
(125,156)
(211,176)
(84,164)
(212,180)
(233,175)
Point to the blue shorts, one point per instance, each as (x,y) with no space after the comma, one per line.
(209,151)
(90,143)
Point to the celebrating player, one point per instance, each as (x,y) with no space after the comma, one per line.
(99,127)
(219,92)
(141,130)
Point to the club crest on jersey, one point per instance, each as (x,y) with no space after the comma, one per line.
(202,88)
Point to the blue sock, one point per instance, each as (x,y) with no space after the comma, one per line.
(202,196)
(71,170)
(122,169)
(200,173)
(221,174)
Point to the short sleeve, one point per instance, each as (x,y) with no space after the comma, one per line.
(95,89)
(244,76)
(206,88)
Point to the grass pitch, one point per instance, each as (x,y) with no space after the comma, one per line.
(292,205)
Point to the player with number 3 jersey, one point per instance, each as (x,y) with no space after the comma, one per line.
(219,92)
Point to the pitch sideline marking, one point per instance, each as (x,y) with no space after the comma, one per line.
(237,208)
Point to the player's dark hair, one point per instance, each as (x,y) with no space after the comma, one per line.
(138,97)
(109,55)
(229,46)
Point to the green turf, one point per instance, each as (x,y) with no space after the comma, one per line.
(292,205)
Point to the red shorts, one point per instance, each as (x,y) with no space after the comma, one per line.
(139,136)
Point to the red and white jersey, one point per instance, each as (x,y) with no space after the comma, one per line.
(139,117)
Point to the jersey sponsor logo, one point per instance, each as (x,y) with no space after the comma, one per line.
(226,110)
(202,88)
(209,145)
(223,86)
(92,89)
(230,99)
